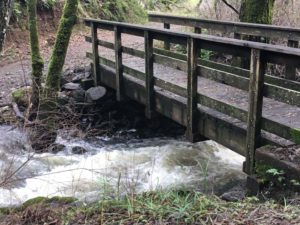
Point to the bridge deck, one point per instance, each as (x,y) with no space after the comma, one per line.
(276,111)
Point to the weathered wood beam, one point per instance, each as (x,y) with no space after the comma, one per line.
(192,87)
(119,64)
(96,70)
(253,139)
(149,66)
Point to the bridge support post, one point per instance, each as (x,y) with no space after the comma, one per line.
(291,71)
(256,85)
(119,64)
(192,49)
(167,45)
(149,66)
(96,66)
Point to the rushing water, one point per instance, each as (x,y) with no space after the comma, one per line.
(112,168)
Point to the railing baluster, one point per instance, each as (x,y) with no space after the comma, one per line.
(119,65)
(149,65)
(192,49)
(96,66)
(256,85)
(167,45)
(291,71)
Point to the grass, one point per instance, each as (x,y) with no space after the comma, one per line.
(161,207)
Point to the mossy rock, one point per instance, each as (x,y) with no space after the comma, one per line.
(21,96)
(4,211)
(45,200)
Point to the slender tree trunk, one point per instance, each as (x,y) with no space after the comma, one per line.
(57,60)
(5,14)
(36,59)
(257,11)
(44,134)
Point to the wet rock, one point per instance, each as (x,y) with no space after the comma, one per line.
(55,148)
(71,86)
(78,150)
(87,83)
(78,77)
(63,99)
(79,95)
(233,196)
(95,93)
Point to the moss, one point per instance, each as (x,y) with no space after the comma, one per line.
(36,59)
(21,96)
(58,56)
(296,135)
(257,11)
(45,200)
(4,211)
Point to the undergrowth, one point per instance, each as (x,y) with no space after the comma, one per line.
(160,207)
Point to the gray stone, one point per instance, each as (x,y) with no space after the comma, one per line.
(71,86)
(95,93)
(55,148)
(78,150)
(78,77)
(233,196)
(79,95)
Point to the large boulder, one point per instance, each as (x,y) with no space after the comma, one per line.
(95,93)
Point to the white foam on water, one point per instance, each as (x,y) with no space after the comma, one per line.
(141,166)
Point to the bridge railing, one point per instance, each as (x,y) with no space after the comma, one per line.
(260,54)
(289,35)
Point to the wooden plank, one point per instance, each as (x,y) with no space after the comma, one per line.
(192,86)
(118,63)
(149,64)
(291,71)
(253,139)
(167,45)
(96,70)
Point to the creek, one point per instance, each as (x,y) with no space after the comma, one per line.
(111,167)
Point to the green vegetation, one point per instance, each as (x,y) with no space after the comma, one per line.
(161,207)
(257,11)
(270,176)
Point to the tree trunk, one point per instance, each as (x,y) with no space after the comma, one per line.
(58,56)
(36,59)
(44,134)
(257,11)
(5,14)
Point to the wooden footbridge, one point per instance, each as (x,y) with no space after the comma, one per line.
(242,109)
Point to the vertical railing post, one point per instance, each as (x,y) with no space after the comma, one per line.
(167,45)
(119,65)
(96,66)
(256,85)
(291,71)
(192,85)
(149,66)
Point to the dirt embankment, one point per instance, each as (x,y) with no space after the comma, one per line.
(15,59)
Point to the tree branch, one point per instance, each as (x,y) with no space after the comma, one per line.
(230,6)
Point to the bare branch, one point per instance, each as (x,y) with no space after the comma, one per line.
(230,6)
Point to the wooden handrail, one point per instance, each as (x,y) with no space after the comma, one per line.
(288,33)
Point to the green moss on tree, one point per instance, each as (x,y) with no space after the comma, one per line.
(58,56)
(257,11)
(296,135)
(36,59)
